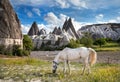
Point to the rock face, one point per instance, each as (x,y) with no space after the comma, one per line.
(9,22)
(59,37)
(42,32)
(34,30)
(67,26)
(110,30)
(10,29)
(57,31)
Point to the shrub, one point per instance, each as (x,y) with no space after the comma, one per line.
(2,49)
(73,44)
(15,50)
(8,51)
(78,41)
(26,53)
(19,52)
(27,43)
(118,40)
(108,39)
(87,40)
(100,42)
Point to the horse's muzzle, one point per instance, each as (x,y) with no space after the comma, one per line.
(54,71)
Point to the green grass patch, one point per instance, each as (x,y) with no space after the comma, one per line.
(111,46)
(22,61)
(107,49)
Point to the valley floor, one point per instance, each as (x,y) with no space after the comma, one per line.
(38,68)
(102,57)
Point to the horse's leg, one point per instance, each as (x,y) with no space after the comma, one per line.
(88,66)
(85,65)
(64,69)
(68,63)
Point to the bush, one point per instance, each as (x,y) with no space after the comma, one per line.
(2,49)
(16,50)
(19,52)
(5,51)
(118,40)
(108,39)
(73,44)
(26,53)
(100,42)
(86,41)
(8,51)
(27,43)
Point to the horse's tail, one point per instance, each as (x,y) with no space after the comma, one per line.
(93,56)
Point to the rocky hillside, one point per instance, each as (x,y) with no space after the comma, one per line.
(109,30)
(9,22)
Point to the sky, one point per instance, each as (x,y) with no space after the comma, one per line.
(52,13)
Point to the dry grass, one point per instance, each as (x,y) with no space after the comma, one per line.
(31,70)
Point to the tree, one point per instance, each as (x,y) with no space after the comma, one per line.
(2,49)
(87,40)
(73,44)
(100,42)
(17,50)
(27,43)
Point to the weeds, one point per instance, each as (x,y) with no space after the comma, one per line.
(37,70)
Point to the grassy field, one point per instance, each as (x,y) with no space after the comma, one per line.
(32,70)
(25,69)
(111,46)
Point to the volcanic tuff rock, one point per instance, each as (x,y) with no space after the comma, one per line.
(9,22)
(57,31)
(42,32)
(110,30)
(34,30)
(68,25)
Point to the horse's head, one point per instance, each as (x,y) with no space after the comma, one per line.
(54,67)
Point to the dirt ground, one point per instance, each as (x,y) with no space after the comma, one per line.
(102,57)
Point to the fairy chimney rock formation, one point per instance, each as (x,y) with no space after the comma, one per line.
(34,30)
(42,32)
(68,25)
(57,31)
(10,28)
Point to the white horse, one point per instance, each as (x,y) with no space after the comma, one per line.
(68,54)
